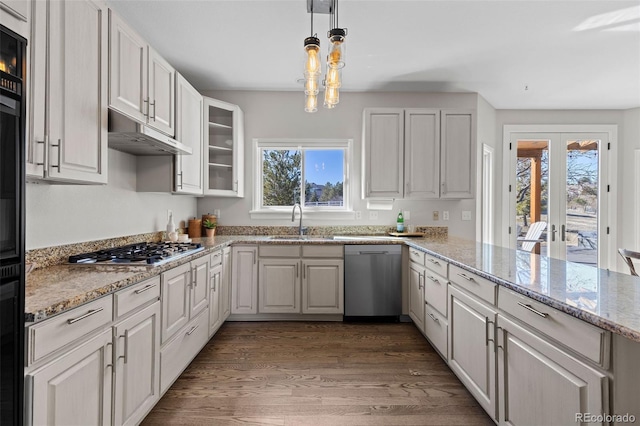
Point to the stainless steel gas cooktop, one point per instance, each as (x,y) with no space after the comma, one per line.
(142,254)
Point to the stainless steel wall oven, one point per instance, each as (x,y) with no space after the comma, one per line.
(12,226)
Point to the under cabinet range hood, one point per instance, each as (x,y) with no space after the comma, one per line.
(134,138)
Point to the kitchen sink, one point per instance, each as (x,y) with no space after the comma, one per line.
(300,237)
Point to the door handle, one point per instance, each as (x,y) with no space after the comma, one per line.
(563,234)
(553,232)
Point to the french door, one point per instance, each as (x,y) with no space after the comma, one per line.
(561,178)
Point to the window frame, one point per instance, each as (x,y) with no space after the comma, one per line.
(279,212)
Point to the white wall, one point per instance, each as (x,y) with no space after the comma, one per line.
(629,194)
(486,135)
(65,214)
(281,114)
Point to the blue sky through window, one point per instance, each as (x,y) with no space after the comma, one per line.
(325,165)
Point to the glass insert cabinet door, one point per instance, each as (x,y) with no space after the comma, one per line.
(559,178)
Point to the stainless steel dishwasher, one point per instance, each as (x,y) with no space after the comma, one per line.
(372,282)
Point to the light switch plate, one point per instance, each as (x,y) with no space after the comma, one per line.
(373,215)
(466,215)
(358,215)
(436,215)
(216,212)
(406,214)
(445,215)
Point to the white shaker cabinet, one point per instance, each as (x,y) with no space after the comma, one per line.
(188,177)
(416,294)
(279,285)
(418,153)
(137,365)
(74,389)
(215,301)
(68,92)
(244,280)
(323,286)
(225,294)
(223,149)
(141,82)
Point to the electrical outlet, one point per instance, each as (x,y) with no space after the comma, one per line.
(358,215)
(406,214)
(216,212)
(436,215)
(373,215)
(466,215)
(445,215)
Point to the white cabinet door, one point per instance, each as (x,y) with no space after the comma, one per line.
(471,347)
(128,70)
(175,299)
(162,77)
(77,88)
(225,294)
(416,294)
(383,152)
(539,384)
(244,280)
(322,286)
(458,157)
(422,154)
(199,294)
(16,15)
(279,285)
(74,389)
(215,301)
(137,365)
(188,170)
(223,149)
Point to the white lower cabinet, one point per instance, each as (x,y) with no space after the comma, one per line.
(75,388)
(472,354)
(215,301)
(416,294)
(539,384)
(244,280)
(279,285)
(225,293)
(137,365)
(323,286)
(176,354)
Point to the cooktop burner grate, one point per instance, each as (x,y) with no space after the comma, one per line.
(137,254)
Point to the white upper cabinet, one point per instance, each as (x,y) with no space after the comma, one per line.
(141,83)
(68,114)
(188,168)
(15,15)
(224,149)
(418,153)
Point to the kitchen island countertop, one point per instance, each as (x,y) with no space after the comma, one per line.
(603,298)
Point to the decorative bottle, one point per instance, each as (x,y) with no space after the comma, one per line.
(400,223)
(171,227)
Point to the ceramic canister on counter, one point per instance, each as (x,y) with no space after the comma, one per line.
(195,228)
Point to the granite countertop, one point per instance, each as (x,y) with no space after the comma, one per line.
(603,298)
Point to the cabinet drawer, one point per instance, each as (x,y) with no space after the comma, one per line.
(323,251)
(128,299)
(215,259)
(416,256)
(438,266)
(52,334)
(435,328)
(469,281)
(279,251)
(585,339)
(435,291)
(178,353)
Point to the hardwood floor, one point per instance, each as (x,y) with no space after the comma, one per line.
(299,373)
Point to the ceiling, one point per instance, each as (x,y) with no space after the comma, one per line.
(518,54)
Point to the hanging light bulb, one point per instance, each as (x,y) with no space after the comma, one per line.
(331,97)
(337,48)
(311,103)
(333,77)
(312,49)
(311,86)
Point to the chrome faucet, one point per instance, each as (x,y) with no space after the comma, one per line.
(293,217)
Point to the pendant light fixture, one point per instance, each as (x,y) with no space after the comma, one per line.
(335,59)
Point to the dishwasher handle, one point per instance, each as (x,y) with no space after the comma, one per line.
(372,252)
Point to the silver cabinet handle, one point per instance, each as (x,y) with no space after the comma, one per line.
(153,104)
(532,309)
(433,317)
(109,365)
(435,262)
(146,113)
(466,277)
(419,281)
(43,151)
(435,280)
(487,321)
(145,288)
(59,146)
(126,345)
(180,184)
(190,332)
(81,317)
(297,272)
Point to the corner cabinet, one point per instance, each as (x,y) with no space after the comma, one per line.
(418,153)
(68,92)
(223,149)
(141,82)
(188,168)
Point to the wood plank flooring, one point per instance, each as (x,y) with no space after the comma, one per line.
(300,373)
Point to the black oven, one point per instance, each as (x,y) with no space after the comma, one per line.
(12,231)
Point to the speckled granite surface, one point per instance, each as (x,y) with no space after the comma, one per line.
(430,231)
(606,299)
